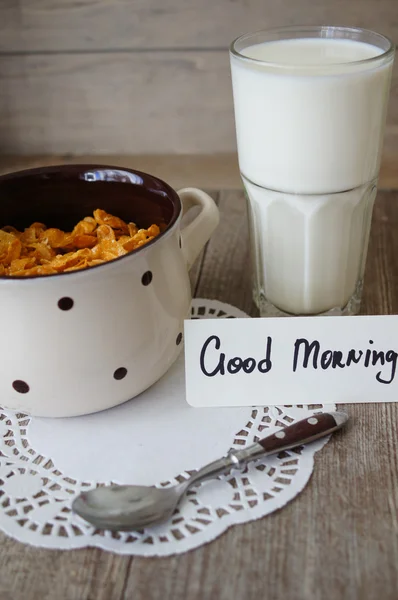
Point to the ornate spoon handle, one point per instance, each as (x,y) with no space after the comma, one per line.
(300,433)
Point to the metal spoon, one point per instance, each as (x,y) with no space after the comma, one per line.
(129,507)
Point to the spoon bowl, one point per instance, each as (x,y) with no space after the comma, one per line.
(116,507)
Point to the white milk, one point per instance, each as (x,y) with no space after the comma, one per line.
(310,123)
(310,251)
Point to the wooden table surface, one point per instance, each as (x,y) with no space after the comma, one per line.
(337,540)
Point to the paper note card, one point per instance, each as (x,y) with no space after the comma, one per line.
(302,360)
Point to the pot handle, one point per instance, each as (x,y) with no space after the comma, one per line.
(197,233)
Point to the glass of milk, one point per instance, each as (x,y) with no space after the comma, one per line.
(310,110)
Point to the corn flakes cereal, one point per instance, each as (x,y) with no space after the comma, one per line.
(93,241)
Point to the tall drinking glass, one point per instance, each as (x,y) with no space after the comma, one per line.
(310,110)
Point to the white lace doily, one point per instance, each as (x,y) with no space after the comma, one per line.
(155,438)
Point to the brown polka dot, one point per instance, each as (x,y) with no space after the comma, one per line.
(179,339)
(65,303)
(120,373)
(20,386)
(146,278)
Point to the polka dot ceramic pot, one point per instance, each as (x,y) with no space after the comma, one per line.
(80,342)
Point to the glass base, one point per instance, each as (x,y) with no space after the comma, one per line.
(309,251)
(267,309)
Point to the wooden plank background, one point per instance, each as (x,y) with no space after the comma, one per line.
(143,76)
(81,25)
